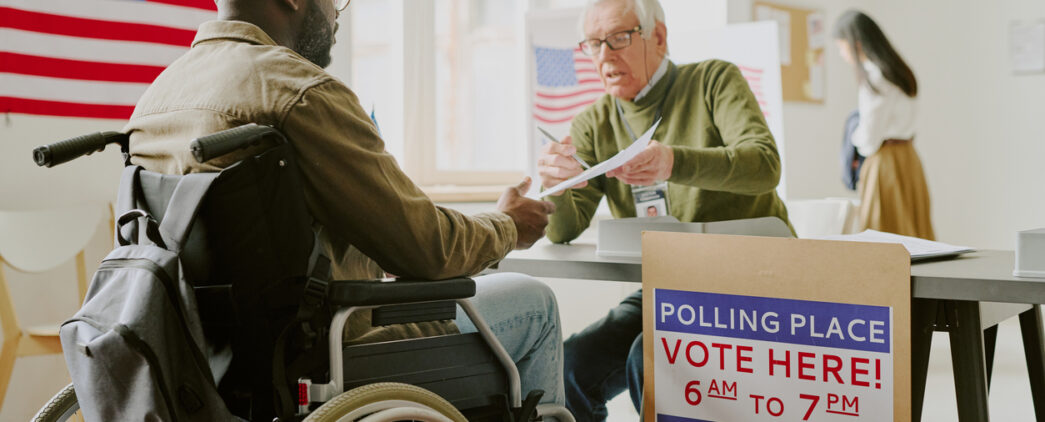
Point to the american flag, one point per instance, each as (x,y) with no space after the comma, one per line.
(90,58)
(754,80)
(567,81)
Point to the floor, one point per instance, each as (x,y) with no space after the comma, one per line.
(35,379)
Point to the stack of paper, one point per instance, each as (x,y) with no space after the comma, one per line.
(918,248)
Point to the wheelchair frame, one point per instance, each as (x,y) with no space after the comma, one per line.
(325,391)
(247,136)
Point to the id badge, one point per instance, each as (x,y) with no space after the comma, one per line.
(651,201)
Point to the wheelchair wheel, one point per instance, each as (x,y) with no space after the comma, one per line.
(386,402)
(62,407)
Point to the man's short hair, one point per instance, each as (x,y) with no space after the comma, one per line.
(649,13)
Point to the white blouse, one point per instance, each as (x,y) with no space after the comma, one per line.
(889,114)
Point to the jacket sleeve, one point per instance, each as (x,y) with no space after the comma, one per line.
(748,161)
(575,207)
(355,189)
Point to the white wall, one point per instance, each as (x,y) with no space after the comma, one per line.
(25,186)
(980,137)
(979,131)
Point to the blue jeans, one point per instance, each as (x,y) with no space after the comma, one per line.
(522,312)
(605,359)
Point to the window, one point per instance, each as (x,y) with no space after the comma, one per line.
(447,83)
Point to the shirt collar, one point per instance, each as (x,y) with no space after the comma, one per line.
(661,70)
(231,30)
(874,74)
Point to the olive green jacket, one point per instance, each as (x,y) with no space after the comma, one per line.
(726,164)
(373,216)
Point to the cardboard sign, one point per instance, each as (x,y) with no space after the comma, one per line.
(768,329)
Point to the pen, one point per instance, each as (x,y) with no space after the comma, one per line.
(552,138)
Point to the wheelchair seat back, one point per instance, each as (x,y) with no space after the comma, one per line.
(248,257)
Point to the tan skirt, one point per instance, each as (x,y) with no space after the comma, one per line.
(894,197)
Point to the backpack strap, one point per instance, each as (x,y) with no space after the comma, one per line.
(144,230)
(185,203)
(130,189)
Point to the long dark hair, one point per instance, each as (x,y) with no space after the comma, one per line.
(863,35)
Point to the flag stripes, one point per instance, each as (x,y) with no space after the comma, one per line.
(567,81)
(90,58)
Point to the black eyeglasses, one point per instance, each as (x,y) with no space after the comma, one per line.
(614,41)
(340,5)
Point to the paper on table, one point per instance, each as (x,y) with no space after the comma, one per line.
(615,161)
(918,248)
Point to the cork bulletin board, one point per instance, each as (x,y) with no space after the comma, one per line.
(803,39)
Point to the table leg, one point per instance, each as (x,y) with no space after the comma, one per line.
(990,340)
(923,323)
(967,356)
(1034,349)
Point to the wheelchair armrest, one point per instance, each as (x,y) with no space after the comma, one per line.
(368,293)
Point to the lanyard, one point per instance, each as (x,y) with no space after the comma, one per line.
(627,126)
(656,117)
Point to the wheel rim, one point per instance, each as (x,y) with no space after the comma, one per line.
(407,413)
(366,412)
(386,401)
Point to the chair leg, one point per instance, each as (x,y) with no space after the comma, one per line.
(1034,349)
(81,276)
(967,358)
(8,353)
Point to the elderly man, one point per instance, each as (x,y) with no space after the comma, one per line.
(712,158)
(262,61)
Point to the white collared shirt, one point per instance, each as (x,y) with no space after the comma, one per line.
(888,114)
(661,70)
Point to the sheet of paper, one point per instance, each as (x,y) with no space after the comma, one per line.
(918,248)
(599,169)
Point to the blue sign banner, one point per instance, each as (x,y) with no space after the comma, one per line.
(826,324)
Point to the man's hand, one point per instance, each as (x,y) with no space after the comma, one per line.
(530,216)
(556,164)
(652,165)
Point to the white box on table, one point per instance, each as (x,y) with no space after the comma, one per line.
(1030,253)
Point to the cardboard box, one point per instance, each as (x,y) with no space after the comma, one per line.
(743,328)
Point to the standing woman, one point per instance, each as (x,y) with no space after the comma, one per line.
(894,197)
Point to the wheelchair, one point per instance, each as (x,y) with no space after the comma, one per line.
(262,284)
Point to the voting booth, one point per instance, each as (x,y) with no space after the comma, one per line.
(769,329)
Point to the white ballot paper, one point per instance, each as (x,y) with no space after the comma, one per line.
(918,248)
(616,161)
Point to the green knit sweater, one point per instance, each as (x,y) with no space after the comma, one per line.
(726,164)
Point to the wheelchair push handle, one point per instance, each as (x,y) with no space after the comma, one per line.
(69,149)
(215,145)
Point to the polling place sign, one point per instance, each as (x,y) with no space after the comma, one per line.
(769,329)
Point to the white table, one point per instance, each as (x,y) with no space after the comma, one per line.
(947,295)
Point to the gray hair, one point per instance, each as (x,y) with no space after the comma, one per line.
(649,13)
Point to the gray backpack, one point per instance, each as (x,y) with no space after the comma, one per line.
(135,349)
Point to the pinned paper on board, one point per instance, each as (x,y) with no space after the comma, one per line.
(1027,46)
(803,42)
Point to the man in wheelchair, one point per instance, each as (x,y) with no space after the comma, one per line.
(262,61)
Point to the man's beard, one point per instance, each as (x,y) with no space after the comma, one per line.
(317,38)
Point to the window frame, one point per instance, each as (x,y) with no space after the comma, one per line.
(420,146)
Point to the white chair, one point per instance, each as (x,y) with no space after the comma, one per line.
(34,242)
(821,217)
